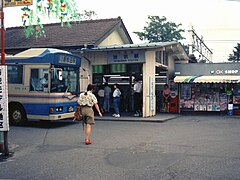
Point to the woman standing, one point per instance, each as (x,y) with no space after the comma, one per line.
(166,95)
(86,101)
(116,100)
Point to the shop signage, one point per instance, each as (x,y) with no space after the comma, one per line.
(4,123)
(11,3)
(116,57)
(228,71)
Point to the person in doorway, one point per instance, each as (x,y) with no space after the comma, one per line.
(107,93)
(116,100)
(137,88)
(166,97)
(86,101)
(101,97)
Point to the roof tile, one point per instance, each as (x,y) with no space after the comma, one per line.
(85,32)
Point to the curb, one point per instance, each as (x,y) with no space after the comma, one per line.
(130,119)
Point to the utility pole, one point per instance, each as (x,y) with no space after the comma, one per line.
(197,44)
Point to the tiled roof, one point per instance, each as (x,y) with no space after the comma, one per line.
(90,32)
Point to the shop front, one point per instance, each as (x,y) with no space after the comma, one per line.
(209,87)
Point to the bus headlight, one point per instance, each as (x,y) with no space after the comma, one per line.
(56,109)
(59,109)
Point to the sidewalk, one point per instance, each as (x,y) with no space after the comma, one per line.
(126,116)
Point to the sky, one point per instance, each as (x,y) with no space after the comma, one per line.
(216,21)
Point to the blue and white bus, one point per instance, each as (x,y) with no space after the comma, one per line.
(43,84)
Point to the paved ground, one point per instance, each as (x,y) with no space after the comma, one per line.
(185,147)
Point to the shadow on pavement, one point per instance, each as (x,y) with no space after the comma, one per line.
(46,124)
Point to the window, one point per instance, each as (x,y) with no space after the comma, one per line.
(39,80)
(69,81)
(161,57)
(15,74)
(158,57)
(165,58)
(97,69)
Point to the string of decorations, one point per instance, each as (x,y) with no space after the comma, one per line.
(63,10)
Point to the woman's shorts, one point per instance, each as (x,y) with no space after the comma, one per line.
(88,114)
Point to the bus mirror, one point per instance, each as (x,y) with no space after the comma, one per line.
(60,75)
(57,73)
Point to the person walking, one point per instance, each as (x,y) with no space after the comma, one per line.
(137,88)
(116,100)
(86,101)
(107,93)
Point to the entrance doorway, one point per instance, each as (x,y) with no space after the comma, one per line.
(161,79)
(125,81)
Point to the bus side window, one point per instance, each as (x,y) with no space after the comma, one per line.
(15,74)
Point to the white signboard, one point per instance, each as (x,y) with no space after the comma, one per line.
(4,123)
(151,94)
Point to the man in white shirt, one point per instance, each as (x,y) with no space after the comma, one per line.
(137,88)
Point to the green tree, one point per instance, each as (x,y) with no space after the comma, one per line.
(235,56)
(158,29)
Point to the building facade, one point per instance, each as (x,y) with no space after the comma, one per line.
(211,87)
(152,63)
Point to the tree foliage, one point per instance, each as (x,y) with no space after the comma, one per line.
(158,29)
(235,56)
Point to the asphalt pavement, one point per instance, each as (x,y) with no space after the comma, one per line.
(187,146)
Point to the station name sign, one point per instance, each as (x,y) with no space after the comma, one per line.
(131,56)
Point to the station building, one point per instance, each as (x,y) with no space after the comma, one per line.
(109,55)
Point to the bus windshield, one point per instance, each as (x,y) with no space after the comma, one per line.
(65,79)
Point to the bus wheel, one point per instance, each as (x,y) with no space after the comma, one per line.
(16,115)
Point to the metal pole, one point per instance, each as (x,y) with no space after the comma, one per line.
(2,33)
(5,133)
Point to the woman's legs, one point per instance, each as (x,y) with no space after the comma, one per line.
(88,134)
(88,131)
